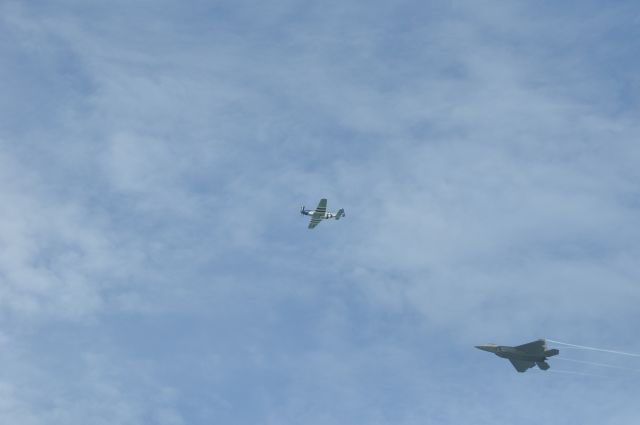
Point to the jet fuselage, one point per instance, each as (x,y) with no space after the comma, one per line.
(507,352)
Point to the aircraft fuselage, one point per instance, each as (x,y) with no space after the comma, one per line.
(513,353)
(311,212)
(507,352)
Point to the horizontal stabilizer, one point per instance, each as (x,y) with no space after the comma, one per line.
(552,352)
(340,213)
(543,365)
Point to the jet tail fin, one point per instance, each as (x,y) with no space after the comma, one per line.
(340,213)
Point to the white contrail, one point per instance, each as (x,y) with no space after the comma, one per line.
(584,347)
(597,364)
(571,372)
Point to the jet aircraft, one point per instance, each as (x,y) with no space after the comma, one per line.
(524,356)
(320,213)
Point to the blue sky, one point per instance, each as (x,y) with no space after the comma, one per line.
(153,157)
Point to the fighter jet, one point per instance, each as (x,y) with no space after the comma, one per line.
(524,356)
(320,213)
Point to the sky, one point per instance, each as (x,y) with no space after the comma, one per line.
(155,269)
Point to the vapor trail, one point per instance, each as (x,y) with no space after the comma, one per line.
(571,372)
(584,347)
(597,364)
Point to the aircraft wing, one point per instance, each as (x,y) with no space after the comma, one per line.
(535,347)
(314,221)
(322,207)
(318,214)
(521,365)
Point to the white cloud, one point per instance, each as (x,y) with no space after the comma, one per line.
(53,252)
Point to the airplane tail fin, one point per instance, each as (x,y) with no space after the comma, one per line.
(543,365)
(552,352)
(340,213)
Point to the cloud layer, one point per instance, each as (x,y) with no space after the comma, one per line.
(153,157)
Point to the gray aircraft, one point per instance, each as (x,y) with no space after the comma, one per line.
(524,356)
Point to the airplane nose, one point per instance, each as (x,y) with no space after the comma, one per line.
(488,348)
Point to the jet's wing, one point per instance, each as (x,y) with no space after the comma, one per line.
(535,347)
(318,214)
(521,365)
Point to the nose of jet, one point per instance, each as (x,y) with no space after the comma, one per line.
(488,347)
